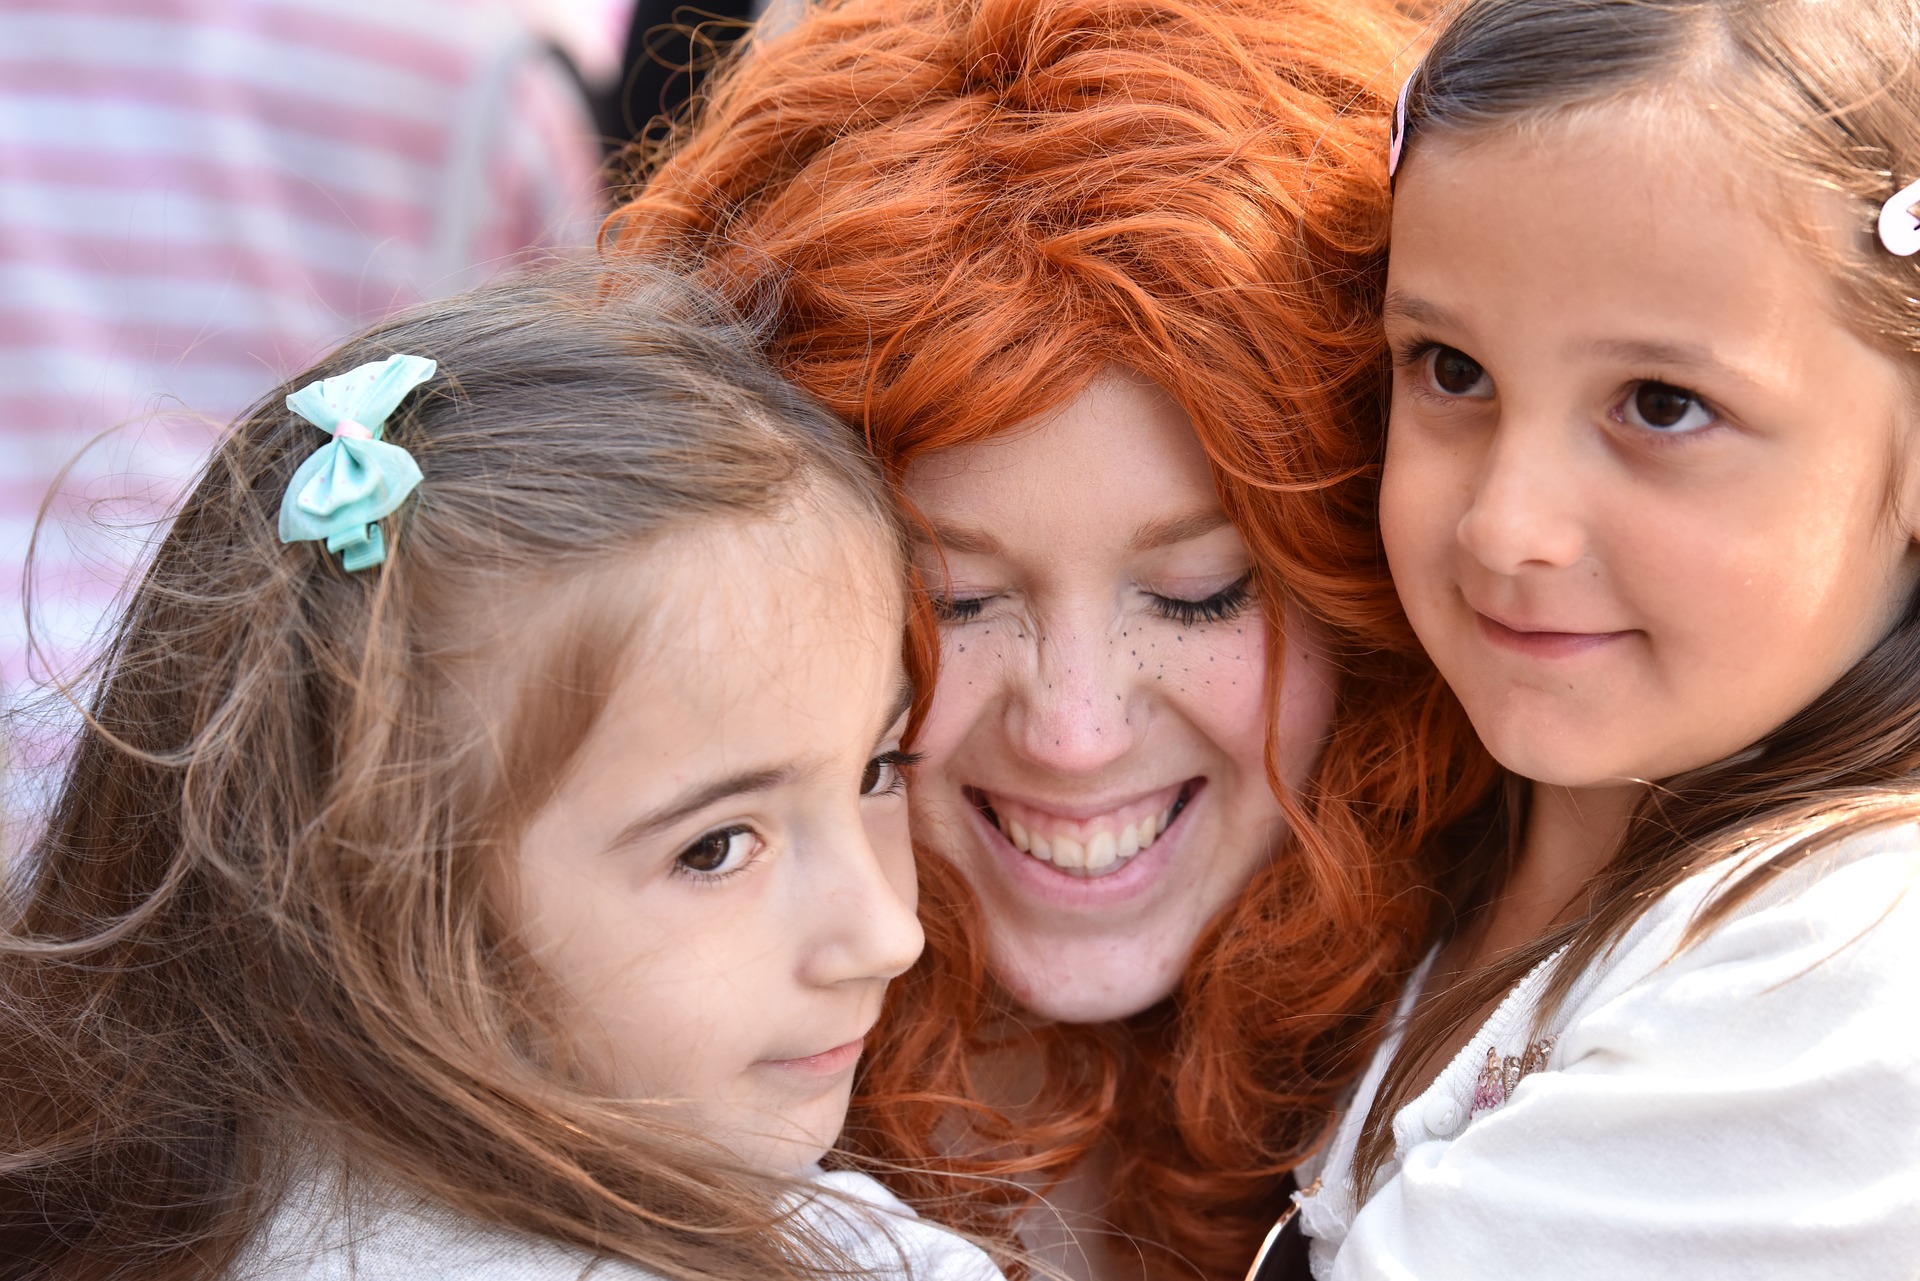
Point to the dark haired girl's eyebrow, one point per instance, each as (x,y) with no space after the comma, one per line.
(697,799)
(1404,306)
(1670,355)
(902,701)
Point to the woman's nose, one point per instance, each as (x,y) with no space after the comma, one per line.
(1523,510)
(1075,712)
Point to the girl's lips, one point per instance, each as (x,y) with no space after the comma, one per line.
(826,1063)
(1544,644)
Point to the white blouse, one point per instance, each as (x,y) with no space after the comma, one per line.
(317,1235)
(1746,1108)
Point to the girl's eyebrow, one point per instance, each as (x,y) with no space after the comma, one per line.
(1404,306)
(739,784)
(1673,355)
(700,797)
(902,702)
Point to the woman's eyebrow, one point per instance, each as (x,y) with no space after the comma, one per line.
(1175,529)
(974,542)
(699,797)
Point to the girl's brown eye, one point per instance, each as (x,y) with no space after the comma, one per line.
(1667,408)
(1455,372)
(884,775)
(726,850)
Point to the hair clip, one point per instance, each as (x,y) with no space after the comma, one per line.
(1397,132)
(1899,227)
(356,479)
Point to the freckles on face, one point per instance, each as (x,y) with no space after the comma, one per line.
(1095,749)
(1643,481)
(722,885)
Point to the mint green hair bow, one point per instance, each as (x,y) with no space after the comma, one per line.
(356,479)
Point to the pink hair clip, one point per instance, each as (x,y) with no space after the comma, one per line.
(1899,227)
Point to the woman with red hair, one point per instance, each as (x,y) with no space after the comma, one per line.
(1098,279)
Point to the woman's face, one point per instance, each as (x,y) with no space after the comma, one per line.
(1094,755)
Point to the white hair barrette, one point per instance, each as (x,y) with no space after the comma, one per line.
(1899,227)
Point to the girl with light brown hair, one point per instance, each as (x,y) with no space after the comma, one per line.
(1099,281)
(486,850)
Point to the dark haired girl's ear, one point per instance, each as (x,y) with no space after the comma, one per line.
(1906,487)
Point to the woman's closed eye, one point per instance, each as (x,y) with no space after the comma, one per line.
(718,853)
(1229,602)
(958,609)
(1665,409)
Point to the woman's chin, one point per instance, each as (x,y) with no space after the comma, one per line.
(1084,980)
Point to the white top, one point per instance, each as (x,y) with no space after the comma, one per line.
(316,1236)
(1748,1108)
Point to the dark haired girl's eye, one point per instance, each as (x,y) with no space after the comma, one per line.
(1662,407)
(885,774)
(717,853)
(1226,603)
(1454,373)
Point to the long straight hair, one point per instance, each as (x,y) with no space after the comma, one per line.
(268,914)
(1821,97)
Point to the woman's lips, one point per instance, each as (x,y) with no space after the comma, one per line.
(826,1063)
(1091,841)
(1542,642)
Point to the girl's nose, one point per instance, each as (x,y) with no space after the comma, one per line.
(1074,712)
(1523,510)
(866,925)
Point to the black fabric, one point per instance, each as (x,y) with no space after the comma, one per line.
(657,72)
(1285,1258)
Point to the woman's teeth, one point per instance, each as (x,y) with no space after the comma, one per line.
(1088,850)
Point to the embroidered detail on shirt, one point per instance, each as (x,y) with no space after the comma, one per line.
(1500,1075)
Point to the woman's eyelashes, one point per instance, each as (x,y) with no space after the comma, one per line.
(886,773)
(958,609)
(1229,602)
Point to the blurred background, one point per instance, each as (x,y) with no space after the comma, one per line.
(200,197)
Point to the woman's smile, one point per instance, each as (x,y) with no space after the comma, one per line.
(1092,839)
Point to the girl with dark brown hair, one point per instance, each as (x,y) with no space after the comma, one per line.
(1652,502)
(486,850)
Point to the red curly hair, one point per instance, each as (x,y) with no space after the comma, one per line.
(959,212)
